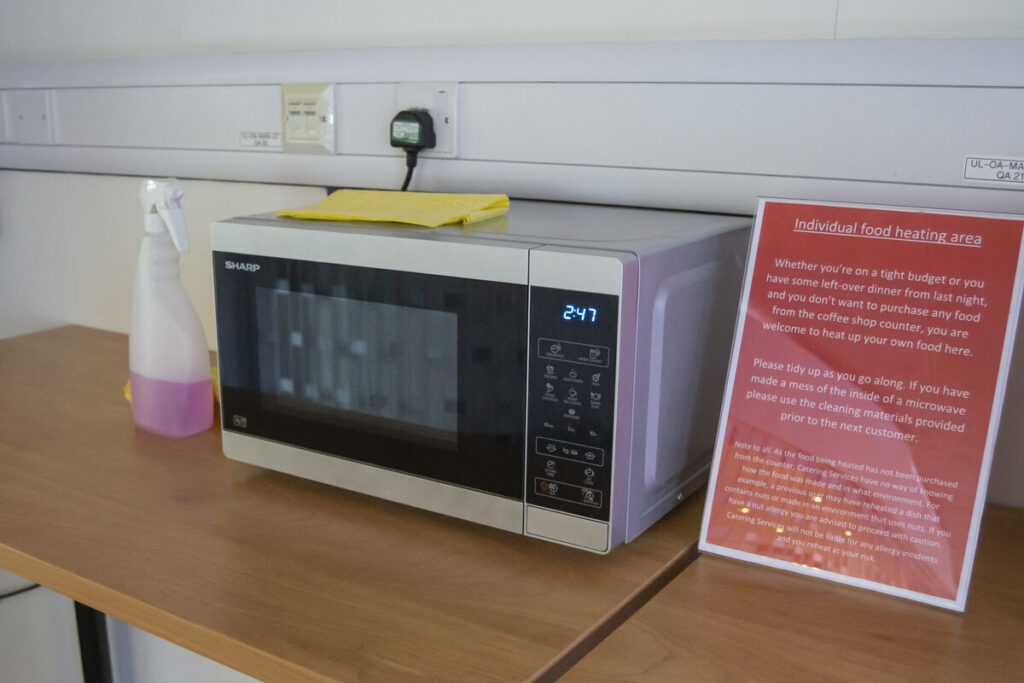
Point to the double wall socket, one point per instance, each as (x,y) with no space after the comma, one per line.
(307,118)
(440,99)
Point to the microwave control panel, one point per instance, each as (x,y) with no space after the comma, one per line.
(571,399)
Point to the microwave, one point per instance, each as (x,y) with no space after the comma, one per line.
(555,372)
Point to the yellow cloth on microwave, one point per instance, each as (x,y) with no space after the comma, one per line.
(431,209)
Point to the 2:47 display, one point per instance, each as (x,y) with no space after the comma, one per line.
(584,314)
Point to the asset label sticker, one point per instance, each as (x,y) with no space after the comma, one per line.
(994,169)
(259,139)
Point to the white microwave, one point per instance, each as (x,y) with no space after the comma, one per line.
(555,372)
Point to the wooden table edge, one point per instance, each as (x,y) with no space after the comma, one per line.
(158,622)
(618,615)
(196,638)
(1000,582)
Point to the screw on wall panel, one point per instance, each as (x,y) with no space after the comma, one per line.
(679,496)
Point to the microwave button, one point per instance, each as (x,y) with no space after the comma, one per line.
(580,495)
(587,354)
(546,488)
(550,348)
(590,455)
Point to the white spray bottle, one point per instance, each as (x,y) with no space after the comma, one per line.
(167,352)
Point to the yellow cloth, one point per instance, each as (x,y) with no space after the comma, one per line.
(431,209)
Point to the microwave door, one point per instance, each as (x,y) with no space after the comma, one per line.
(413,373)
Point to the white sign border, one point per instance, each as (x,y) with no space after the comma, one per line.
(960,602)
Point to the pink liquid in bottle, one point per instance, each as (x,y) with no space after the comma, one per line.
(172,408)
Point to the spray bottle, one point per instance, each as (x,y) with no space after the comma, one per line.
(167,353)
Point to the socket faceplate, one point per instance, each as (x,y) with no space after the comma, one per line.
(440,98)
(307,118)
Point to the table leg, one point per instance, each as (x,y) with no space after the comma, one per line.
(93,644)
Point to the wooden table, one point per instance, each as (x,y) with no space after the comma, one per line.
(282,578)
(725,620)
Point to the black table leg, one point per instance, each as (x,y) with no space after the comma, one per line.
(93,644)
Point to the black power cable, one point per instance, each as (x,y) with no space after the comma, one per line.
(410,163)
(26,589)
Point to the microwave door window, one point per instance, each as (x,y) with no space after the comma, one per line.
(368,366)
(417,373)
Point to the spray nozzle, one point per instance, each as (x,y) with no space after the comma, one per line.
(161,197)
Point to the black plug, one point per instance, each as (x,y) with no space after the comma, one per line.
(412,130)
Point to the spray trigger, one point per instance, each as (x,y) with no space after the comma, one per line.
(162,197)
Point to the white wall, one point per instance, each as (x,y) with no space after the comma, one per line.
(46,30)
(68,242)
(38,634)
(36,277)
(68,245)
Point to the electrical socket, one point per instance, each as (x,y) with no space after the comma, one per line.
(307,118)
(440,98)
(27,117)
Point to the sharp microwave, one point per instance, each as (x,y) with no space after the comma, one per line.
(556,372)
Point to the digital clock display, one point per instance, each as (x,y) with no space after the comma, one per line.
(579,313)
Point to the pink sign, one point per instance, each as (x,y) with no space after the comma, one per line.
(867,376)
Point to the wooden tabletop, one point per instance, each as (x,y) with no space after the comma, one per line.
(282,578)
(726,620)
